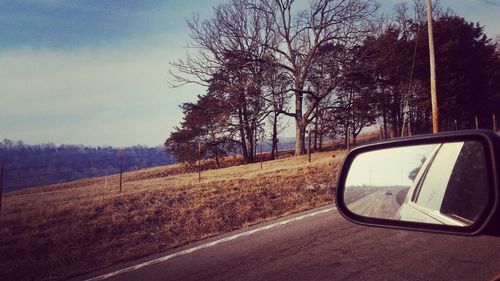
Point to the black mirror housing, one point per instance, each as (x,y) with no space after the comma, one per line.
(488,222)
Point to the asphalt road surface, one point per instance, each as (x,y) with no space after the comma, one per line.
(321,246)
(377,204)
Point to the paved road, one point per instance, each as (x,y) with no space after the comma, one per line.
(377,204)
(327,247)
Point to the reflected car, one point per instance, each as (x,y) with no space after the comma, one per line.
(449,187)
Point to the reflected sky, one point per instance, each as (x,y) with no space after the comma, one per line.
(387,167)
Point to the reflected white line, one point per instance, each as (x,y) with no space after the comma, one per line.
(208,245)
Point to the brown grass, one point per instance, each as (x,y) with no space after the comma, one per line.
(64,230)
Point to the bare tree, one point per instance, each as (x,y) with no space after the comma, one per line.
(298,37)
(272,34)
(232,59)
(233,30)
(276,82)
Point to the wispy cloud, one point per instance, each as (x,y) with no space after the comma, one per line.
(92,72)
(71,24)
(491,2)
(90,96)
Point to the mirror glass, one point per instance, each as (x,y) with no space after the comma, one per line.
(442,183)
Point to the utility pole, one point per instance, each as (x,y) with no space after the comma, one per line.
(122,153)
(477,123)
(435,114)
(456,125)
(494,123)
(1,184)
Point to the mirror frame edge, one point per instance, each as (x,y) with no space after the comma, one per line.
(485,224)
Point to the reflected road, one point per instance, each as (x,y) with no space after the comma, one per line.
(379,204)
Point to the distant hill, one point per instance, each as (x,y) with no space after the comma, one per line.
(35,165)
(285,143)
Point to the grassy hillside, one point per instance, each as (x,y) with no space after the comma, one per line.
(63,230)
(43,164)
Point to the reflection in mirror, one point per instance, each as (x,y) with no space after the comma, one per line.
(443,183)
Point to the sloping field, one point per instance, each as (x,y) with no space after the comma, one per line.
(64,230)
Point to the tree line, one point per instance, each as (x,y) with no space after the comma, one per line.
(333,68)
(35,165)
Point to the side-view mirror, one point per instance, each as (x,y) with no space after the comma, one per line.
(445,183)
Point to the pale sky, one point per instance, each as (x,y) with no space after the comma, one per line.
(96,72)
(387,167)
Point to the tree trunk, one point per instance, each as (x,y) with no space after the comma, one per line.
(320,142)
(300,136)
(249,135)
(355,134)
(251,146)
(274,150)
(255,141)
(346,135)
(385,125)
(300,123)
(346,140)
(244,150)
(316,129)
(217,161)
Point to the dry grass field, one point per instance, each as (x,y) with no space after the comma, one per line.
(63,230)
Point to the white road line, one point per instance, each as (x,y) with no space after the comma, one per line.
(207,245)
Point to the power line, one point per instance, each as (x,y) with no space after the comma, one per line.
(406,110)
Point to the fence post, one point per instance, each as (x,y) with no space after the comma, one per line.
(121,168)
(261,155)
(106,180)
(1,184)
(309,145)
(199,161)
